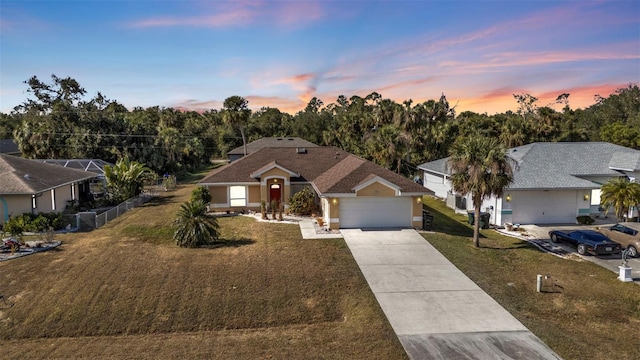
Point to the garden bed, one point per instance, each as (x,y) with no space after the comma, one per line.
(33,248)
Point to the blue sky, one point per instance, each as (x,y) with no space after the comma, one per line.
(194,54)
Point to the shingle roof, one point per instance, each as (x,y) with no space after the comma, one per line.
(561,164)
(329,169)
(626,161)
(23,176)
(272,142)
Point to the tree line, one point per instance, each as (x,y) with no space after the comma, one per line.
(59,121)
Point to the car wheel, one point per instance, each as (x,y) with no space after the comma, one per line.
(632,251)
(554,238)
(582,249)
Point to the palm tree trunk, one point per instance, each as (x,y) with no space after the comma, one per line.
(244,140)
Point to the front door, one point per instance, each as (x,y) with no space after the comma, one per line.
(275,192)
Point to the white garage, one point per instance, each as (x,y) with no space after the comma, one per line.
(375,212)
(544,207)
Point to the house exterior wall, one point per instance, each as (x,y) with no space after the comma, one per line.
(437,183)
(416,212)
(254,196)
(376,189)
(63,195)
(12,205)
(43,203)
(218,194)
(331,212)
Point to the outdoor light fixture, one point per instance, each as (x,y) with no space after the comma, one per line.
(275,180)
(334,201)
(419,200)
(586,197)
(508,198)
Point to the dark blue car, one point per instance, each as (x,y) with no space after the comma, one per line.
(587,241)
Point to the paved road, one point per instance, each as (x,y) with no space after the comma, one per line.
(610,262)
(436,311)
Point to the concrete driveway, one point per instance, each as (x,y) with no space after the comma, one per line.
(436,311)
(611,262)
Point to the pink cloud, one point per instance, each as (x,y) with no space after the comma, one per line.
(240,13)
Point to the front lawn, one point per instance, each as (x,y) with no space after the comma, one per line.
(589,314)
(126,290)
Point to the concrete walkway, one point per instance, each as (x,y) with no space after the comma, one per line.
(436,311)
(308,231)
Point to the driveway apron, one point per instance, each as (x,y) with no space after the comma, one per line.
(436,311)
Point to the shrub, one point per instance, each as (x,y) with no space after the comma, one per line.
(303,202)
(585,220)
(193,228)
(28,222)
(201,193)
(16,225)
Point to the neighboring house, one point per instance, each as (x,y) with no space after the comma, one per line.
(262,143)
(8,146)
(30,186)
(353,192)
(97,185)
(553,182)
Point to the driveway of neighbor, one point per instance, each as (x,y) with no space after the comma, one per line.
(436,311)
(541,233)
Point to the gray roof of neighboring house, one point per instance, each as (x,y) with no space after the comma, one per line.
(23,176)
(561,165)
(330,169)
(8,146)
(272,142)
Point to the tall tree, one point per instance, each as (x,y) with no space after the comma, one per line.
(479,166)
(236,113)
(620,194)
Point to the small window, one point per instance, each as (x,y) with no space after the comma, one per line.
(34,202)
(237,196)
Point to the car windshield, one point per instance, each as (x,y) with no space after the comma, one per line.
(589,235)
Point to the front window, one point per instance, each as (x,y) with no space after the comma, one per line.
(237,196)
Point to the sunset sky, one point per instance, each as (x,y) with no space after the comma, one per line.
(194,54)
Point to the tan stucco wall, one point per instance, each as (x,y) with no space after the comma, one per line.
(218,194)
(63,194)
(254,194)
(16,205)
(376,189)
(334,212)
(43,204)
(417,211)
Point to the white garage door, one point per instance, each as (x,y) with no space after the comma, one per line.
(375,212)
(544,207)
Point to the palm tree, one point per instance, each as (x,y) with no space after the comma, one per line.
(236,113)
(479,166)
(193,227)
(620,194)
(125,179)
